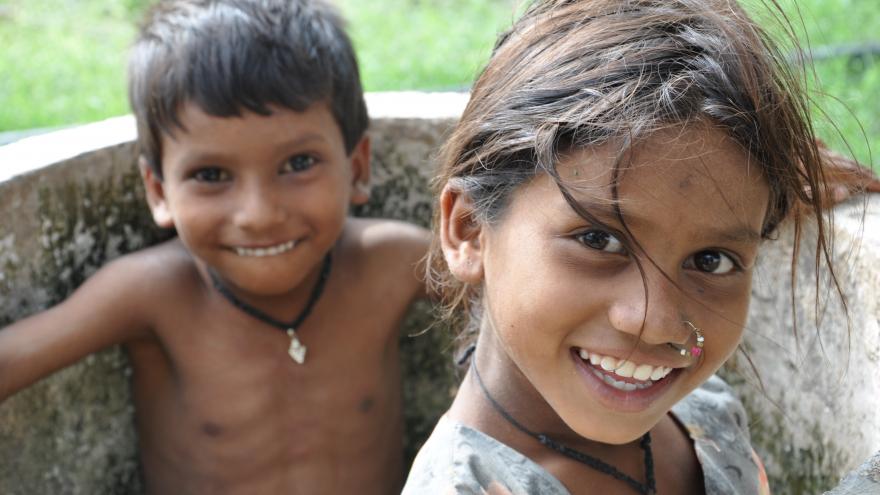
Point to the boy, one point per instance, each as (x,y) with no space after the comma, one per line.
(263,338)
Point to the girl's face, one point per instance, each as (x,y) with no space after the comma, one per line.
(577,325)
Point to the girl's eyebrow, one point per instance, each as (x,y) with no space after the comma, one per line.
(607,213)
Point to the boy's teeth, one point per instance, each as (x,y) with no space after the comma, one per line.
(269,251)
(624,369)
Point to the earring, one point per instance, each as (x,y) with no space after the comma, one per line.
(697,349)
(362,187)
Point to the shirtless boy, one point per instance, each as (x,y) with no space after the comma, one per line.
(263,338)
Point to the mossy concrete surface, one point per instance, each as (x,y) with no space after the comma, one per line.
(72,433)
(817,417)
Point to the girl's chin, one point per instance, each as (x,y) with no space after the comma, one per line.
(609,435)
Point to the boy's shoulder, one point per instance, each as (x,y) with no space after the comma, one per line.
(384,242)
(384,250)
(157,271)
(378,237)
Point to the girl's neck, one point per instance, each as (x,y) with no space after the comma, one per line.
(495,394)
(513,392)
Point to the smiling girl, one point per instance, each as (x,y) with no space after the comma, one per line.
(601,207)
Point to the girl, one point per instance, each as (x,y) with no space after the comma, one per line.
(601,206)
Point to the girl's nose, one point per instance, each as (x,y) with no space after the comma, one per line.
(258,208)
(651,309)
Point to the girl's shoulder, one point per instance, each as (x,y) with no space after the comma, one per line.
(717,423)
(458,459)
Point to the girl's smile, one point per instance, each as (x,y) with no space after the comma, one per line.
(619,392)
(641,374)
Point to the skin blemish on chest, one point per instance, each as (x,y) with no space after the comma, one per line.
(211,429)
(366,405)
(685,183)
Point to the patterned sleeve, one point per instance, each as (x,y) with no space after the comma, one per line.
(717,424)
(864,480)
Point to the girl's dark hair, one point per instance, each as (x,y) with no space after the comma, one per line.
(582,73)
(233,55)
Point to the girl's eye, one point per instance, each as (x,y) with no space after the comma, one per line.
(601,241)
(210,174)
(299,163)
(714,262)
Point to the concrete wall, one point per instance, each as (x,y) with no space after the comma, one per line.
(72,200)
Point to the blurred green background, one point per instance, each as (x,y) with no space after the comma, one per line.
(63,61)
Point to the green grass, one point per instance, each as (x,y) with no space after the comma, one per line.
(432,45)
(63,61)
(846,109)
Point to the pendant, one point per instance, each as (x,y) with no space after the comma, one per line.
(296,350)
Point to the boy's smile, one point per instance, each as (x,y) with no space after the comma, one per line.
(259,252)
(258,199)
(581,329)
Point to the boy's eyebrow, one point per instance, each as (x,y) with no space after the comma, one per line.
(607,213)
(213,155)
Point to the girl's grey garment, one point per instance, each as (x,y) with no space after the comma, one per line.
(863,481)
(460,460)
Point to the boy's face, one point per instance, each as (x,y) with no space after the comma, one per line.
(258,199)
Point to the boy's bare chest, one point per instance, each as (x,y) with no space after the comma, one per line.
(232,402)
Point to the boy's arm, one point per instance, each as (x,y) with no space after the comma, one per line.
(107,309)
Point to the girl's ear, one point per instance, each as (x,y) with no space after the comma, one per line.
(360,168)
(460,234)
(155,195)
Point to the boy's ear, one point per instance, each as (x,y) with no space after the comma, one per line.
(360,168)
(155,195)
(460,234)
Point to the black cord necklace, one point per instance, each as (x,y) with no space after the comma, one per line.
(647,488)
(296,350)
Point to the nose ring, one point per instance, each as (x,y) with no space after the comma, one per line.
(696,350)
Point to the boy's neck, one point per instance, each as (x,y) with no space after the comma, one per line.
(285,307)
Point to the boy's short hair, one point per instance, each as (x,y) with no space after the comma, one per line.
(227,56)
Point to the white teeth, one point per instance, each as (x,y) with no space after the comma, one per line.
(659,372)
(643,372)
(624,369)
(608,363)
(269,251)
(619,385)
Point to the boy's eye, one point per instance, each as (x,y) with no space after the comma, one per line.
(299,163)
(714,262)
(601,241)
(211,174)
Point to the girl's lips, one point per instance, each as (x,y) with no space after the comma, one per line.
(640,398)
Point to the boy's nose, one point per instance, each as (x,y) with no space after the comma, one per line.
(258,208)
